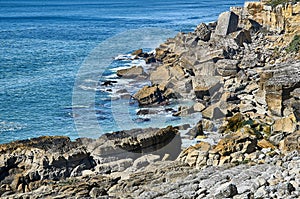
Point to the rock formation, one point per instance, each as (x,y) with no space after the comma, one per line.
(242,77)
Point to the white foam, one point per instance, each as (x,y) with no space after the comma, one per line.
(6,126)
(119,68)
(89,88)
(125,57)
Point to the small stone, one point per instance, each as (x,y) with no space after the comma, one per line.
(138,52)
(198,107)
(290,188)
(224,160)
(273,182)
(261,193)
(261,181)
(97,192)
(226,190)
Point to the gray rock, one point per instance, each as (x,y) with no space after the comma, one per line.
(145,160)
(241,37)
(133,72)
(227,23)
(261,193)
(203,32)
(226,190)
(227,67)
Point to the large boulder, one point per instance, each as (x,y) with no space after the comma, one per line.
(279,84)
(240,141)
(160,74)
(285,125)
(227,23)
(133,72)
(155,94)
(291,142)
(206,85)
(241,37)
(227,67)
(203,32)
(195,155)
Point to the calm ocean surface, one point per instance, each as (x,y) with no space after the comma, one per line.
(44,43)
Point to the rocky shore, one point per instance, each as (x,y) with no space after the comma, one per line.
(242,74)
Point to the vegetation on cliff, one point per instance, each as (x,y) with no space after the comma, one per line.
(275,3)
(294,46)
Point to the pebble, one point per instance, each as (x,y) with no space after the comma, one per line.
(261,193)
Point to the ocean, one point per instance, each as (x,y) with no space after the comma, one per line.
(49,79)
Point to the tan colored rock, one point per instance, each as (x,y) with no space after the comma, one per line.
(240,141)
(224,160)
(160,75)
(138,52)
(133,72)
(265,144)
(237,157)
(195,155)
(153,95)
(291,142)
(208,125)
(177,72)
(191,158)
(287,124)
(198,107)
(213,112)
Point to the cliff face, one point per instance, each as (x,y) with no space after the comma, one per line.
(284,18)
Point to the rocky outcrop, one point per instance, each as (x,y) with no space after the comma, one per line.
(26,165)
(241,181)
(282,18)
(45,158)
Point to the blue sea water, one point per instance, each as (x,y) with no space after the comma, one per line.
(43,45)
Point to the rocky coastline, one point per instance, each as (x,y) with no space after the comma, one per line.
(242,74)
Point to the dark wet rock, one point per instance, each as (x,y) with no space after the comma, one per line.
(150,59)
(196,130)
(141,120)
(108,83)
